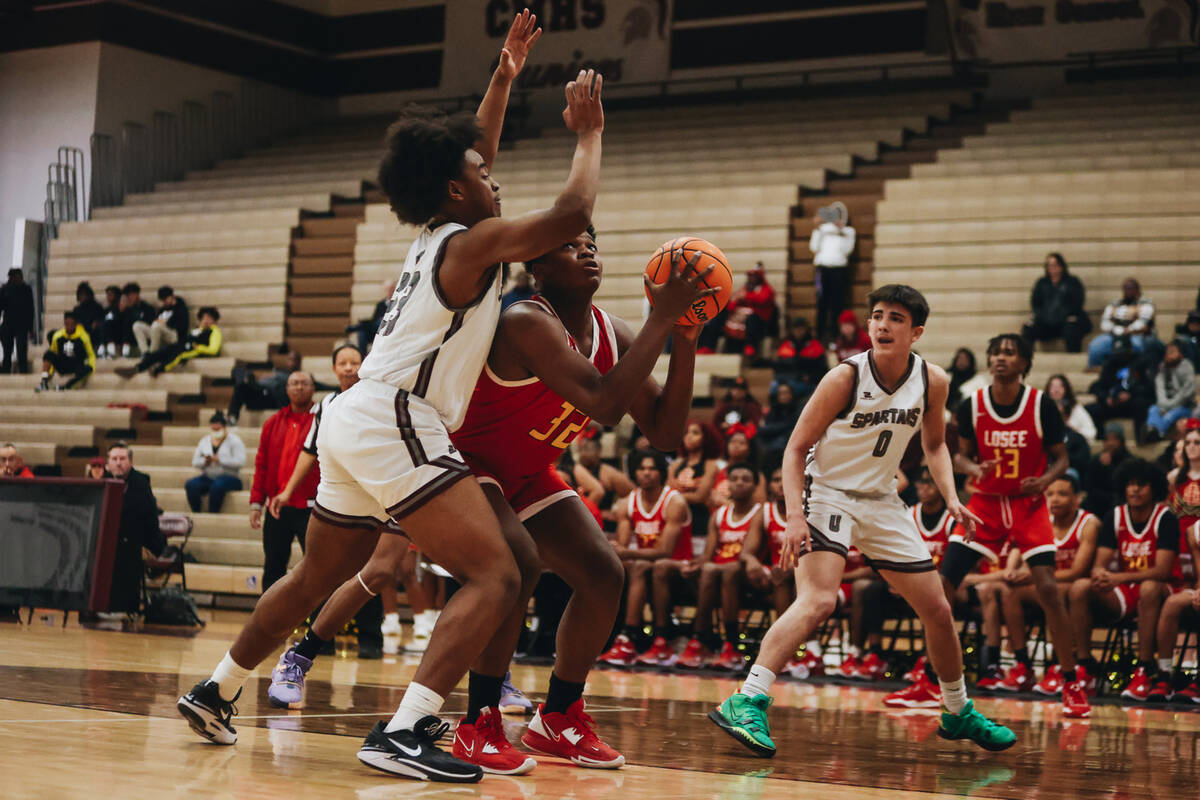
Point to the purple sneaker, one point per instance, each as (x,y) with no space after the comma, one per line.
(287,681)
(512,699)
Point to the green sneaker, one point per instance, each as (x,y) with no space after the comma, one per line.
(970,724)
(745,719)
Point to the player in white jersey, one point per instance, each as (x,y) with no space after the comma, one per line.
(384,446)
(839,469)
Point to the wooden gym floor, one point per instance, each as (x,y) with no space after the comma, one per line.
(90,713)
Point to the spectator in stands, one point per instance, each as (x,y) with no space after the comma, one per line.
(961,370)
(1130,319)
(522,289)
(1123,390)
(1175,393)
(138,529)
(611,481)
(260,394)
(219,456)
(750,316)
(1059,388)
(692,474)
(204,341)
(831,245)
(70,353)
(1098,482)
(1057,303)
(16,321)
(109,335)
(783,411)
(800,359)
(279,446)
(1187,333)
(852,339)
(169,327)
(739,449)
(365,329)
(738,406)
(133,309)
(95,469)
(11,463)
(88,312)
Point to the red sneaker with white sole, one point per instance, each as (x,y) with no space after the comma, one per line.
(485,745)
(621,654)
(1051,682)
(694,656)
(918,669)
(922,694)
(1139,686)
(1075,701)
(728,660)
(806,667)
(849,666)
(570,736)
(1018,678)
(990,679)
(872,668)
(659,653)
(1188,694)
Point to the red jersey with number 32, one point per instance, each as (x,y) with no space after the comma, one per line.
(1014,443)
(516,429)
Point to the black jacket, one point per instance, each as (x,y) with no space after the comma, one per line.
(178,321)
(89,314)
(142,312)
(1054,305)
(16,305)
(139,528)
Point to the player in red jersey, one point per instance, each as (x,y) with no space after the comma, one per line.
(1184,602)
(654,524)
(1005,433)
(1143,535)
(1075,534)
(1185,503)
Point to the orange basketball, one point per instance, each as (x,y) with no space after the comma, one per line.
(704,309)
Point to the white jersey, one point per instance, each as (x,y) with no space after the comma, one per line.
(861,451)
(310,441)
(423,345)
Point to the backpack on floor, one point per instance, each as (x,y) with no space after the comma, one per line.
(171,605)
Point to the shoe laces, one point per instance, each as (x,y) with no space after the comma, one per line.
(507,688)
(581,721)
(492,728)
(433,732)
(756,722)
(290,672)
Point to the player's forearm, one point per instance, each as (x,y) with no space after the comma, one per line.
(577,200)
(491,117)
(617,388)
(793,471)
(673,405)
(1058,467)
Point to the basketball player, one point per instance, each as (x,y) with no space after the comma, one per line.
(384,447)
(1075,532)
(653,524)
(1011,429)
(840,468)
(1184,602)
(765,543)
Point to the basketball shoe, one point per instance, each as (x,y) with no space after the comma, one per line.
(970,724)
(485,745)
(512,699)
(990,678)
(1051,682)
(1019,678)
(572,736)
(1139,686)
(849,666)
(728,660)
(917,670)
(808,666)
(208,714)
(621,654)
(415,754)
(872,668)
(745,719)
(1188,694)
(659,653)
(1086,679)
(694,656)
(287,681)
(1075,700)
(923,693)
(1160,691)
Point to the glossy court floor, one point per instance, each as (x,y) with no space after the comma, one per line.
(89,713)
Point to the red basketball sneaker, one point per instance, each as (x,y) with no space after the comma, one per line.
(484,745)
(806,667)
(917,670)
(922,694)
(1160,692)
(1139,686)
(694,656)
(1019,678)
(621,654)
(659,653)
(1075,701)
(570,736)
(1086,680)
(990,679)
(872,668)
(729,659)
(1189,694)
(850,665)
(1051,682)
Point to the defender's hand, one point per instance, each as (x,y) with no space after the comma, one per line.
(522,35)
(584,112)
(965,519)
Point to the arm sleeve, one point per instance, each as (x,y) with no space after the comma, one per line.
(814,241)
(198,456)
(966,425)
(1168,532)
(258,489)
(1053,429)
(86,341)
(213,346)
(1108,532)
(1106,322)
(1145,318)
(1082,422)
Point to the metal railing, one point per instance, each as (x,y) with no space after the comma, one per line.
(66,199)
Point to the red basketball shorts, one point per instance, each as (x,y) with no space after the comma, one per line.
(1022,521)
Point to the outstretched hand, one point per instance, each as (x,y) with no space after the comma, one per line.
(965,519)
(522,35)
(584,113)
(673,297)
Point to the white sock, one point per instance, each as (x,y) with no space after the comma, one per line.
(229,677)
(954,695)
(1164,665)
(758,681)
(418,702)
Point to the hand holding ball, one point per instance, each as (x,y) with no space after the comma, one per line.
(719,281)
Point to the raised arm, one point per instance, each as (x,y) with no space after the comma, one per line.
(522,34)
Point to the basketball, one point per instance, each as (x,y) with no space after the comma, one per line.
(721,278)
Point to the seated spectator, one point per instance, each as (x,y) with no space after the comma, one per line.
(1187,333)
(95,469)
(219,456)
(1130,319)
(800,359)
(739,448)
(750,316)
(133,309)
(738,406)
(1099,490)
(612,482)
(1142,536)
(365,328)
(169,327)
(654,543)
(109,335)
(783,411)
(11,463)
(961,370)
(1059,389)
(261,394)
(204,341)
(88,312)
(16,321)
(692,474)
(1124,390)
(522,289)
(1184,603)
(70,353)
(831,244)
(1175,393)
(138,530)
(851,339)
(762,553)
(1057,303)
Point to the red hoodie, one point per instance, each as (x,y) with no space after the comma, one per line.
(279,446)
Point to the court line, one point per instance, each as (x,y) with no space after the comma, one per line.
(129,716)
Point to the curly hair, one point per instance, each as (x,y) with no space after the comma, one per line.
(424,150)
(1139,470)
(1020,344)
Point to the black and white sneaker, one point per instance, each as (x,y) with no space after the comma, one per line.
(208,714)
(414,753)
